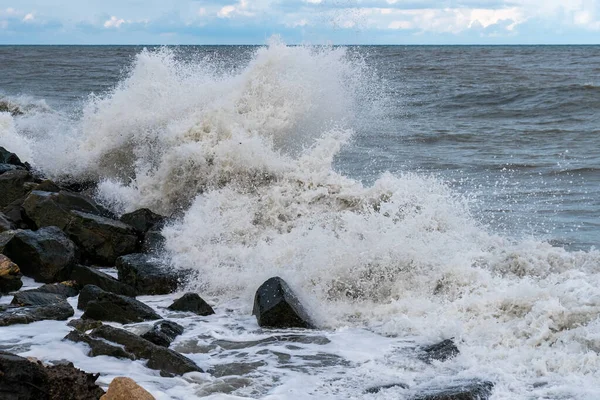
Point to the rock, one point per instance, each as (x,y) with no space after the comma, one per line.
(47,255)
(163,333)
(440,351)
(13,109)
(9,167)
(65,289)
(154,241)
(25,315)
(69,383)
(6,157)
(14,185)
(84,325)
(89,276)
(15,214)
(101,240)
(122,388)
(10,275)
(147,274)
(99,347)
(21,379)
(193,303)
(142,220)
(35,298)
(235,369)
(106,306)
(5,223)
(276,306)
(48,186)
(377,389)
(468,390)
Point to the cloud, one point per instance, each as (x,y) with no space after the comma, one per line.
(114,22)
(28,17)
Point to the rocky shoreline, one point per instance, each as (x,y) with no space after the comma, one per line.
(56,234)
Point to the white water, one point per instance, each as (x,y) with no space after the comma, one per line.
(244,160)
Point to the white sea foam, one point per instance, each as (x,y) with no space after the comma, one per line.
(245,161)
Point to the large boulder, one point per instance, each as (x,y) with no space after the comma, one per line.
(5,223)
(65,289)
(84,325)
(60,311)
(91,276)
(142,220)
(16,215)
(147,274)
(163,333)
(122,388)
(276,306)
(10,275)
(69,383)
(192,302)
(99,347)
(46,255)
(34,298)
(467,390)
(14,185)
(154,241)
(106,306)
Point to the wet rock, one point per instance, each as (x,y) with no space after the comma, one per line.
(13,109)
(469,390)
(60,311)
(10,275)
(142,220)
(48,186)
(14,185)
(99,347)
(147,274)
(84,325)
(35,298)
(122,388)
(377,389)
(193,303)
(69,383)
(154,241)
(163,333)
(22,379)
(65,289)
(5,223)
(90,276)
(439,352)
(276,306)
(235,369)
(101,240)
(16,215)
(47,255)
(9,167)
(6,157)
(106,306)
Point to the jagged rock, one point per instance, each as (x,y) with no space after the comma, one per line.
(47,255)
(163,333)
(21,379)
(13,109)
(142,220)
(98,347)
(440,351)
(89,276)
(48,186)
(193,303)
(469,390)
(14,185)
(34,298)
(154,241)
(122,388)
(377,389)
(5,223)
(9,167)
(106,306)
(69,383)
(6,157)
(64,289)
(15,214)
(10,275)
(147,274)
(101,239)
(84,325)
(60,311)
(276,306)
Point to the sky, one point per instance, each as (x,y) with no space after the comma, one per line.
(300,21)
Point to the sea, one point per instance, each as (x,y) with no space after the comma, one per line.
(407,194)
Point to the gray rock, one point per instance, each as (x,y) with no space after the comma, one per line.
(276,306)
(26,315)
(5,223)
(163,333)
(9,167)
(154,241)
(65,289)
(14,185)
(99,347)
(106,306)
(6,157)
(142,220)
(467,390)
(22,379)
(234,369)
(377,389)
(84,325)
(193,303)
(34,298)
(148,275)
(90,276)
(442,351)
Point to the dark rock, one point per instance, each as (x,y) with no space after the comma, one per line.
(146,274)
(193,303)
(14,185)
(106,306)
(5,223)
(78,185)
(442,351)
(469,390)
(142,220)
(377,389)
(14,213)
(34,298)
(25,315)
(69,383)
(84,325)
(154,241)
(21,379)
(9,167)
(276,306)
(13,109)
(89,276)
(10,275)
(64,289)
(6,157)
(101,240)
(99,347)
(48,186)
(163,333)
(47,255)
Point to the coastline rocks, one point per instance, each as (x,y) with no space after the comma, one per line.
(122,388)
(98,347)
(34,298)
(47,255)
(442,351)
(142,220)
(5,223)
(59,311)
(14,185)
(193,303)
(147,274)
(276,306)
(154,241)
(106,306)
(65,289)
(10,275)
(69,383)
(89,276)
(7,157)
(84,325)
(13,109)
(163,333)
(468,390)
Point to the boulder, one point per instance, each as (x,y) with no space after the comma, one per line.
(84,325)
(48,186)
(442,351)
(276,306)
(6,157)
(106,306)
(467,390)
(90,276)
(14,185)
(99,347)
(35,298)
(22,379)
(5,223)
(47,255)
(65,289)
(163,333)
(60,311)
(10,275)
(154,241)
(122,388)
(193,303)
(9,167)
(142,220)
(14,213)
(13,109)
(148,275)
(69,383)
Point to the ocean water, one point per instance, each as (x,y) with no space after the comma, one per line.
(407,194)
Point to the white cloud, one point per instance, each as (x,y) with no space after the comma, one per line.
(28,17)
(114,22)
(226,11)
